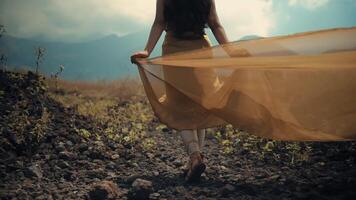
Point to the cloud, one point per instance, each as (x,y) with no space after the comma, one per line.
(241,17)
(309,4)
(74,20)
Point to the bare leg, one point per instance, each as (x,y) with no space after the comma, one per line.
(196,165)
(190,140)
(201,138)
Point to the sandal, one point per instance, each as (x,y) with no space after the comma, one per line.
(197,167)
(185,171)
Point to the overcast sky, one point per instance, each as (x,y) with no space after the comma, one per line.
(80,20)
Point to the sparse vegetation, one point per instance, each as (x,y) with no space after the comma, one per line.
(39,53)
(2,30)
(66,136)
(56,75)
(3,58)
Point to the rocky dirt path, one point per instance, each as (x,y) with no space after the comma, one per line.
(68,161)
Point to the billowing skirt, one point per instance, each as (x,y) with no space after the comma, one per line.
(180,108)
(298,87)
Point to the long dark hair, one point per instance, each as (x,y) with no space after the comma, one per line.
(187,15)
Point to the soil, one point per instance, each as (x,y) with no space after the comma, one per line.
(60,164)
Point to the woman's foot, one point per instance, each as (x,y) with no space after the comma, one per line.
(196,167)
(187,166)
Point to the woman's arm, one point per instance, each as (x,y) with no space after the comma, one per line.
(155,33)
(215,25)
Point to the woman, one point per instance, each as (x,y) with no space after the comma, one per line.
(184,22)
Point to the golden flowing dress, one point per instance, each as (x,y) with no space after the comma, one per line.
(299,87)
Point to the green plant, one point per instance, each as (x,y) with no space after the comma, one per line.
(41,125)
(148,144)
(83,132)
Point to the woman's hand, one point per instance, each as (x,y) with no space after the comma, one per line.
(139,54)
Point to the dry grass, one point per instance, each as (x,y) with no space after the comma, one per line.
(121,90)
(94,98)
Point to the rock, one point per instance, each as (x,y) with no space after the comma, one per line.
(131,179)
(69,143)
(150,155)
(83,147)
(180,190)
(60,147)
(177,163)
(115,156)
(105,190)
(227,189)
(166,130)
(155,195)
(96,154)
(111,165)
(33,171)
(141,189)
(11,137)
(112,145)
(164,157)
(68,175)
(273,178)
(63,164)
(99,143)
(97,173)
(65,155)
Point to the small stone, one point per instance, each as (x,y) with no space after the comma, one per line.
(68,175)
(83,147)
(164,157)
(177,163)
(113,145)
(105,190)
(69,143)
(66,155)
(155,173)
(180,190)
(154,195)
(115,156)
(99,143)
(227,189)
(60,147)
(131,179)
(141,189)
(63,164)
(260,176)
(274,177)
(165,130)
(150,155)
(33,171)
(111,165)
(97,173)
(96,154)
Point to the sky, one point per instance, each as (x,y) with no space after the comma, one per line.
(82,20)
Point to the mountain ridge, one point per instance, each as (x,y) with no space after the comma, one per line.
(105,58)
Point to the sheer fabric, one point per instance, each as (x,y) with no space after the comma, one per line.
(300,87)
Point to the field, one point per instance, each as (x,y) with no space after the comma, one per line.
(101,140)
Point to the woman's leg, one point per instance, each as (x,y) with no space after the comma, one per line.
(190,140)
(196,164)
(201,138)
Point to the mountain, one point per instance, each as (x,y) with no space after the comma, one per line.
(250,37)
(103,59)
(106,58)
